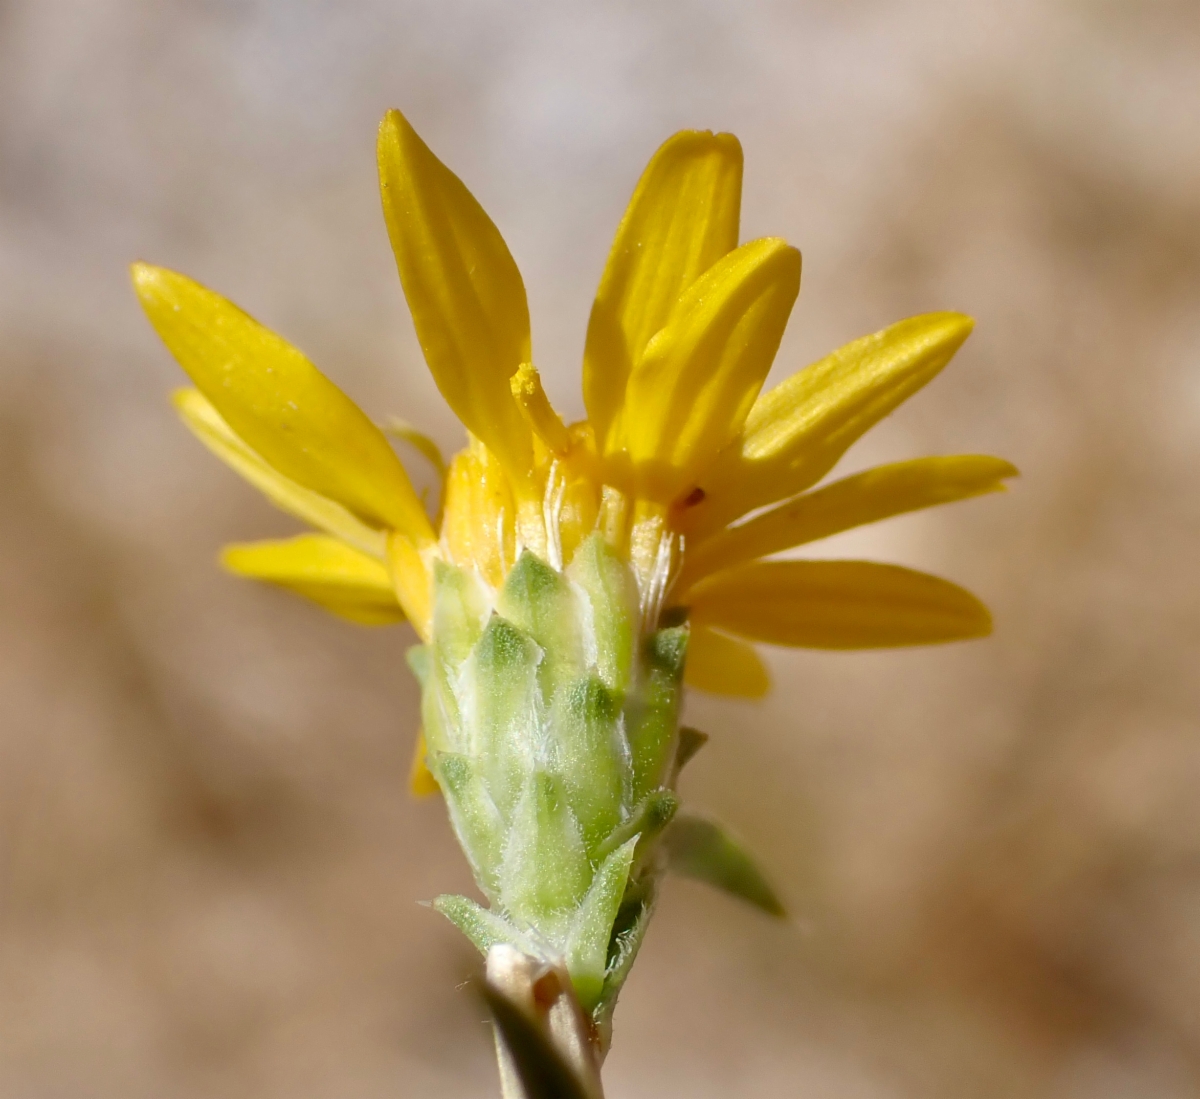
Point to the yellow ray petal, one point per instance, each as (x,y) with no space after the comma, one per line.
(480,524)
(796,432)
(206,424)
(281,405)
(864,498)
(411,582)
(325,570)
(421,782)
(578,503)
(838,605)
(683,217)
(723,665)
(463,288)
(419,441)
(691,392)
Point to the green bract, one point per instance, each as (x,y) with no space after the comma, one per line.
(552,728)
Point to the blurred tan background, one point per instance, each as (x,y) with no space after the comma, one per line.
(209,864)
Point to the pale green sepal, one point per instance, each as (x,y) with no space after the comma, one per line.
(485,929)
(505,707)
(460,612)
(591,756)
(612,594)
(476,820)
(587,945)
(700,848)
(440,716)
(546,870)
(538,600)
(653,735)
(418,660)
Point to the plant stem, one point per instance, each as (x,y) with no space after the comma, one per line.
(561,1034)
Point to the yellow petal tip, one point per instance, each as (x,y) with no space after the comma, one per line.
(183,396)
(421,783)
(147,277)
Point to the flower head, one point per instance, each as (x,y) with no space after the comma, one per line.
(570,572)
(678,447)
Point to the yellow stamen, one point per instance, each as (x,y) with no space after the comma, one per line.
(535,406)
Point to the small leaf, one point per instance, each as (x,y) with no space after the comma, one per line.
(700,848)
(629,929)
(544,1072)
(651,815)
(587,947)
(485,929)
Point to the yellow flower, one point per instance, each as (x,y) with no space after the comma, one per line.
(690,472)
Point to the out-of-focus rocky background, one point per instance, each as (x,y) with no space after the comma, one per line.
(209,865)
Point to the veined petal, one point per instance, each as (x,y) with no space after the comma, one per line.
(463,288)
(864,498)
(479,528)
(692,390)
(838,605)
(420,442)
(206,424)
(682,218)
(722,665)
(410,582)
(796,432)
(281,405)
(325,570)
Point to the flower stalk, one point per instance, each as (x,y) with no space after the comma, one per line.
(546,1047)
